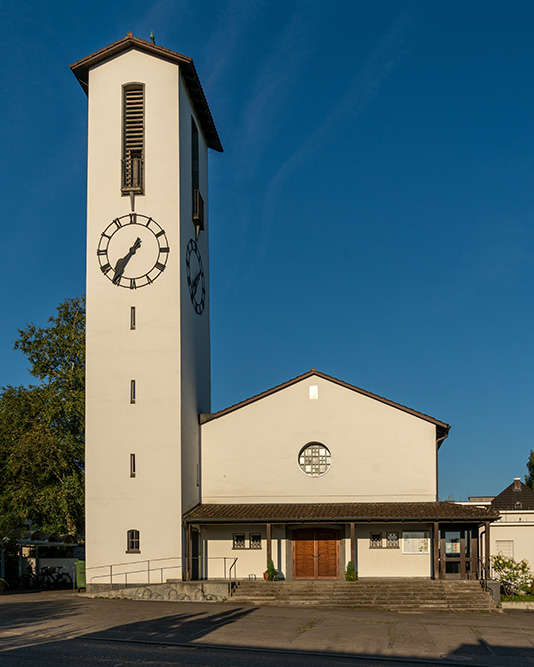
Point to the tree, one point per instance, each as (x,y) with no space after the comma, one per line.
(42,428)
(529,477)
(513,575)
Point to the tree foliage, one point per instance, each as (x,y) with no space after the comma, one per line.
(529,477)
(42,428)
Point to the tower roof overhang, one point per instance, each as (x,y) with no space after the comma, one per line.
(187,67)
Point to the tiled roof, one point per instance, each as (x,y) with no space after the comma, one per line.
(442,427)
(510,499)
(187,67)
(365,512)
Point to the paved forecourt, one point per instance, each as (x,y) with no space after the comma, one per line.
(67,623)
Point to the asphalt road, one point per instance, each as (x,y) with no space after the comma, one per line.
(61,628)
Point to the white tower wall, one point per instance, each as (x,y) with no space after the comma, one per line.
(167,354)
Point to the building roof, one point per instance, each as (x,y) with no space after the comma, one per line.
(357,512)
(442,427)
(187,67)
(517,496)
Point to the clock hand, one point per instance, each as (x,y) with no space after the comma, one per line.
(121,263)
(195,283)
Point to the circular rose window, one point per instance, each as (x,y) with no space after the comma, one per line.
(314,459)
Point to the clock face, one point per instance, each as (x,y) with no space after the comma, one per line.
(195,276)
(133,251)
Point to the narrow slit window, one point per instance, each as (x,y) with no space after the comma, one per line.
(132,391)
(132,465)
(198,202)
(133,542)
(133,138)
(132,318)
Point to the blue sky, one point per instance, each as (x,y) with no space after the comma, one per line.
(371,215)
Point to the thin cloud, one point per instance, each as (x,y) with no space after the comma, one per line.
(361,90)
(226,43)
(273,81)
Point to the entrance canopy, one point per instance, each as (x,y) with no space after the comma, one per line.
(455,530)
(339,512)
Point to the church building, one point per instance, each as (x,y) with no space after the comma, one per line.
(312,474)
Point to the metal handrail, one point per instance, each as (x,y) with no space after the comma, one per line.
(148,569)
(233,565)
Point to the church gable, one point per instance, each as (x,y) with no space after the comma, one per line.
(319,440)
(442,427)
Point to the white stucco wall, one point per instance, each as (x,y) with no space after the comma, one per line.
(195,328)
(386,562)
(379,453)
(516,527)
(217,544)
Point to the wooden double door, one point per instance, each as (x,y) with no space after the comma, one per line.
(315,553)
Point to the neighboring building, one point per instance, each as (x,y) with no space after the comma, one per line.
(315,472)
(513,533)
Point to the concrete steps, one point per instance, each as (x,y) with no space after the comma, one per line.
(399,594)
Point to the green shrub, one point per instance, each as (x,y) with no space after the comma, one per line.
(350,573)
(271,571)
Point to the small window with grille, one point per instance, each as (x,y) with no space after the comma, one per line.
(133,138)
(239,541)
(255,541)
(314,459)
(375,540)
(392,540)
(132,542)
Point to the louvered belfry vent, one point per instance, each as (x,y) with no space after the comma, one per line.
(133,139)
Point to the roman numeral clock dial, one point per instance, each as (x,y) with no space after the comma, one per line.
(195,277)
(133,251)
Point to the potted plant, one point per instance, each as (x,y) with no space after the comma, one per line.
(350,573)
(271,573)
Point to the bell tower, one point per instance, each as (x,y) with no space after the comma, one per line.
(148,331)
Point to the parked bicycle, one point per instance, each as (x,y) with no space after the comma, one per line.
(51,577)
(48,577)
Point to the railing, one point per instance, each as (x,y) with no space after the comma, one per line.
(148,569)
(232,567)
(116,571)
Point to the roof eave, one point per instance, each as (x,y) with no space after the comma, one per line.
(441,426)
(81,69)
